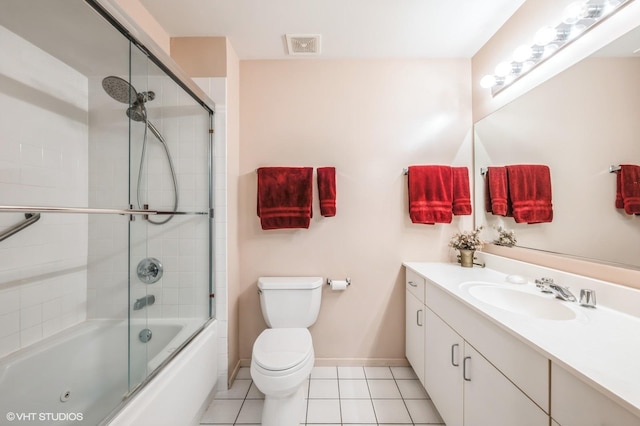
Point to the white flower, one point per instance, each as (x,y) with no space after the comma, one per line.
(467,240)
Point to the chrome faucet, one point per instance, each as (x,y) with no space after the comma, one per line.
(546,285)
(144,301)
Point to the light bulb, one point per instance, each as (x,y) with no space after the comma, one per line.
(522,53)
(503,69)
(488,81)
(549,50)
(545,35)
(574,12)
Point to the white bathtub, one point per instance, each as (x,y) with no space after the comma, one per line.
(78,376)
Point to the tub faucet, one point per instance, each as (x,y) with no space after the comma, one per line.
(546,285)
(144,301)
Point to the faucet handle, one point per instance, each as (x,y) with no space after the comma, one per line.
(588,298)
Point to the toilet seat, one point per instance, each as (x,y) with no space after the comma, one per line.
(282,350)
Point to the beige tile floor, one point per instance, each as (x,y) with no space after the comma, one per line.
(365,396)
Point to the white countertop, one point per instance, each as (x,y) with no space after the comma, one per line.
(600,346)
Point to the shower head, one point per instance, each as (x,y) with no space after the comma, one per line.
(137,112)
(119,89)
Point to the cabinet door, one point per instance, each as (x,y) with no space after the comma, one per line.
(491,399)
(444,350)
(414,347)
(574,403)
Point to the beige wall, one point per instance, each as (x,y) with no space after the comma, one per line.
(369,119)
(233,162)
(141,16)
(201,56)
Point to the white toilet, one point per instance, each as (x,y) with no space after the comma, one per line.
(283,354)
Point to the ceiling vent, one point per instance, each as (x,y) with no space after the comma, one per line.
(303,44)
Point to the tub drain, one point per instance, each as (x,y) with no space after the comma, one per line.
(145,335)
(64,396)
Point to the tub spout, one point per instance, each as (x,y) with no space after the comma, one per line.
(144,301)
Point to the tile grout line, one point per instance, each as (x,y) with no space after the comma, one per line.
(366,379)
(235,422)
(395,381)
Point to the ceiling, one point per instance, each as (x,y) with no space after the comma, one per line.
(349,28)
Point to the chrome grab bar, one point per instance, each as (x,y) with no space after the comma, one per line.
(29,219)
(86,210)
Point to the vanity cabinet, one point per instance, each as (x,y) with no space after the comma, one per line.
(475,373)
(466,388)
(574,403)
(414,323)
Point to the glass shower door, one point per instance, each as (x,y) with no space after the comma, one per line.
(170,259)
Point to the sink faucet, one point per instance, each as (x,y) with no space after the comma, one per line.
(546,285)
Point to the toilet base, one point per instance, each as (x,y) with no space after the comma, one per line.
(284,411)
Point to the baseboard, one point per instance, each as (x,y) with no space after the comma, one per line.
(348,362)
(234,373)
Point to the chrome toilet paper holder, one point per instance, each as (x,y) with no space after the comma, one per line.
(348,280)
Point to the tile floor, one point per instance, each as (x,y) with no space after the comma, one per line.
(336,396)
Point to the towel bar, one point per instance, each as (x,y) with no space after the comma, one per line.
(29,219)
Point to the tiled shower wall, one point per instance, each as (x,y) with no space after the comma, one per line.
(43,162)
(216,89)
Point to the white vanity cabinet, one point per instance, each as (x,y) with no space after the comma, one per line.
(466,388)
(443,371)
(574,403)
(475,373)
(414,323)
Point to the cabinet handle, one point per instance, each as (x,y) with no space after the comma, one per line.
(418,317)
(453,356)
(464,368)
(412,284)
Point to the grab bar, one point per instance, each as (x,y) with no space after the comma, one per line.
(30,219)
(40,209)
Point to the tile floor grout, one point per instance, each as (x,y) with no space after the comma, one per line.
(226,400)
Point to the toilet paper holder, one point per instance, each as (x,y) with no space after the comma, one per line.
(348,280)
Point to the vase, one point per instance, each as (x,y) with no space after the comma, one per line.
(466,258)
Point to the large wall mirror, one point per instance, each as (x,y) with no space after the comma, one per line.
(579,123)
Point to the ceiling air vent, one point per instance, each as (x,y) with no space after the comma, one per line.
(303,44)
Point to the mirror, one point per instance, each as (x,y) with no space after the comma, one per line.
(579,123)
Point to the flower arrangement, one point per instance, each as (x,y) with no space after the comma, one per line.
(467,240)
(505,238)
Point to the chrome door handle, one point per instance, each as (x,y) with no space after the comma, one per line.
(453,356)
(464,368)
(418,317)
(412,284)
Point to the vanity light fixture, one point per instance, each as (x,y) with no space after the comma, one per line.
(577,18)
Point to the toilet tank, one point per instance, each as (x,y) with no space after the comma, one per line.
(290,301)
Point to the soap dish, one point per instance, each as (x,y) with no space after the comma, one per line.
(516,279)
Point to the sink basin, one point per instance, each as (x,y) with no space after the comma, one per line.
(520,302)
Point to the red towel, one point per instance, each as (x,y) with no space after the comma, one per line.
(628,189)
(499,203)
(284,197)
(461,191)
(530,193)
(327,190)
(430,194)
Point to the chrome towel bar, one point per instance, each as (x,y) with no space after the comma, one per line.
(29,219)
(41,209)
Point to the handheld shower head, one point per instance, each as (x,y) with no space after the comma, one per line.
(137,112)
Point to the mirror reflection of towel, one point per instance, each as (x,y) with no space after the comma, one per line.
(628,188)
(530,193)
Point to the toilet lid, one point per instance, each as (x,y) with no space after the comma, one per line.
(279,349)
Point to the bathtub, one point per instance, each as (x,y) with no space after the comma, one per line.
(79,375)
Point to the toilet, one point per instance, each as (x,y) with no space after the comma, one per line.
(283,355)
